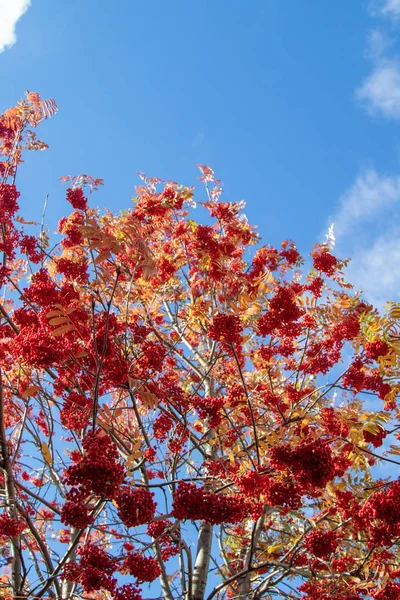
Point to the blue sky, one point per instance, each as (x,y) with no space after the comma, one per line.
(295,105)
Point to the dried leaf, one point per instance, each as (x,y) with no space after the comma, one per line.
(102,256)
(46,453)
(59,321)
(61,330)
(30,391)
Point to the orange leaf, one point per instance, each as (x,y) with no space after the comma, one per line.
(30,391)
(62,329)
(46,453)
(59,321)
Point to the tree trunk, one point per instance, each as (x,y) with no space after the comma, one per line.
(200,571)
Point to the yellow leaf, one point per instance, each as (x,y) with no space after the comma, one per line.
(244,301)
(274,548)
(235,308)
(372,428)
(395,312)
(46,453)
(254,309)
(263,445)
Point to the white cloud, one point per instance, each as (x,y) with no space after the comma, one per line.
(391,8)
(375,269)
(366,228)
(380,91)
(370,195)
(378,45)
(10,12)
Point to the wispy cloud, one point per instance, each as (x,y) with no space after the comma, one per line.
(378,45)
(10,12)
(366,230)
(375,269)
(380,91)
(368,197)
(367,217)
(391,8)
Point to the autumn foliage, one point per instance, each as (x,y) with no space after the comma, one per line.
(185,413)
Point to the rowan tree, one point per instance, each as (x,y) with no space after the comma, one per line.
(186,413)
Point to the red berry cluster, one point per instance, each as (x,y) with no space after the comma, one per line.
(311,463)
(321,543)
(76,411)
(168,546)
(317,589)
(283,313)
(251,484)
(98,470)
(34,344)
(325,262)
(94,571)
(191,502)
(332,423)
(76,197)
(70,227)
(8,201)
(226,328)
(375,438)
(76,514)
(376,349)
(162,426)
(152,358)
(391,591)
(236,396)
(144,568)
(316,286)
(347,328)
(264,258)
(73,270)
(381,515)
(135,505)
(42,290)
(29,246)
(275,493)
(291,255)
(210,408)
(10,527)
(283,494)
(169,193)
(127,592)
(357,379)
(181,434)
